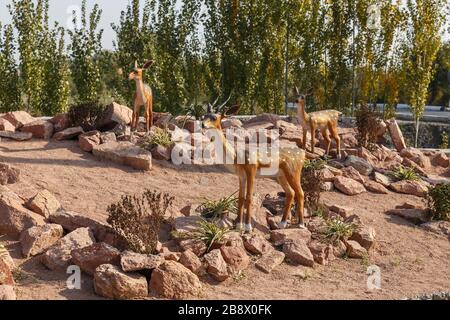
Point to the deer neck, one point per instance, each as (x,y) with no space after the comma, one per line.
(140,89)
(302,112)
(230,151)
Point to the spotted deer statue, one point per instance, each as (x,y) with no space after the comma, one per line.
(290,163)
(326,121)
(142,97)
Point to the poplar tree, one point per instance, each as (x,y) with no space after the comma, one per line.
(9,81)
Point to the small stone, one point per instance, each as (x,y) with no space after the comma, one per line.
(196,246)
(257,244)
(216,265)
(190,260)
(7,293)
(383,179)
(89,140)
(106,137)
(37,240)
(321,252)
(355,250)
(131,261)
(268,262)
(343,211)
(44,203)
(361,165)
(8,174)
(348,186)
(161,153)
(235,257)
(299,253)
(352,173)
(91,257)
(280,237)
(365,236)
(68,134)
(375,187)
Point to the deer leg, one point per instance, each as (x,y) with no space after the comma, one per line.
(241,201)
(149,114)
(313,138)
(305,137)
(137,112)
(294,179)
(251,176)
(289,200)
(337,138)
(327,138)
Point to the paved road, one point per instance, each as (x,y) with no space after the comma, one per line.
(403,109)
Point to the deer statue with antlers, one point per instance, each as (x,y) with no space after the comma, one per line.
(326,121)
(289,162)
(142,97)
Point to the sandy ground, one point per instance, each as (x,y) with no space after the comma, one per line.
(412,261)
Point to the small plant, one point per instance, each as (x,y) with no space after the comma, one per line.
(209,233)
(403,173)
(444,139)
(338,230)
(213,209)
(312,183)
(367,122)
(86,115)
(158,137)
(439,201)
(137,219)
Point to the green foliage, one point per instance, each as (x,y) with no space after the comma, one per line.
(157,137)
(137,219)
(338,230)
(444,139)
(404,173)
(209,233)
(85,47)
(439,201)
(213,209)
(9,81)
(85,115)
(367,122)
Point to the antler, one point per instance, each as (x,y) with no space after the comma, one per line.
(219,109)
(296,91)
(136,65)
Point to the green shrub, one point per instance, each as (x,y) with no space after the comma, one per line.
(213,209)
(158,137)
(367,122)
(404,173)
(209,233)
(338,230)
(439,201)
(444,139)
(86,115)
(137,219)
(313,182)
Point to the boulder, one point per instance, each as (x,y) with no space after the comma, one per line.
(106,137)
(7,293)
(411,164)
(8,174)
(5,125)
(231,123)
(125,153)
(269,261)
(396,135)
(111,282)
(382,179)
(375,187)
(6,276)
(186,224)
(174,281)
(411,153)
(91,257)
(37,240)
(18,118)
(6,257)
(264,117)
(236,257)
(132,261)
(40,129)
(343,211)
(339,249)
(44,203)
(414,188)
(365,236)
(355,250)
(14,218)
(438,227)
(441,160)
(191,261)
(299,253)
(352,173)
(18,136)
(416,216)
(113,115)
(317,225)
(161,153)
(361,165)
(58,257)
(348,186)
(280,237)
(322,252)
(196,246)
(89,140)
(256,244)
(216,265)
(60,122)
(68,134)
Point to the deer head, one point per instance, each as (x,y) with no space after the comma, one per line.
(301,97)
(136,74)
(213,118)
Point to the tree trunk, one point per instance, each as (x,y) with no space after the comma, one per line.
(416,140)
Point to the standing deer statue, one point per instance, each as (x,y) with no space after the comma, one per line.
(288,174)
(326,121)
(142,97)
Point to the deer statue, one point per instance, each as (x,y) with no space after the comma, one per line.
(142,97)
(288,173)
(326,121)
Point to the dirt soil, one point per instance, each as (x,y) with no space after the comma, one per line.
(412,261)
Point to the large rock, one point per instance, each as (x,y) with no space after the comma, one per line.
(299,253)
(60,122)
(321,252)
(348,186)
(256,244)
(113,115)
(111,282)
(18,118)
(6,277)
(280,237)
(18,136)
(37,240)
(172,280)
(106,137)
(186,224)
(132,261)
(7,293)
(270,261)
(236,257)
(59,256)
(438,227)
(6,257)
(14,218)
(365,236)
(413,215)
(384,180)
(190,260)
(40,129)
(68,134)
(216,265)
(8,174)
(352,173)
(375,187)
(5,125)
(125,153)
(441,160)
(91,257)
(355,250)
(396,135)
(361,165)
(89,140)
(161,153)
(414,188)
(44,203)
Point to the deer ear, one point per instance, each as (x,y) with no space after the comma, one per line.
(233,110)
(135,65)
(148,64)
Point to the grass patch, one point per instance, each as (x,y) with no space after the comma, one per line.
(338,230)
(213,209)
(405,174)
(158,137)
